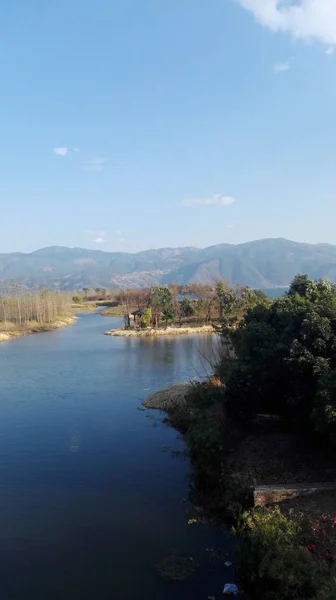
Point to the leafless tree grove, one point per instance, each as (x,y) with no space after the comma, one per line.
(18,305)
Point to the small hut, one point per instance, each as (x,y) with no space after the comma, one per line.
(134,317)
(137,314)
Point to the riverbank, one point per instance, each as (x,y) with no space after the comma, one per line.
(228,463)
(160,332)
(11,331)
(196,410)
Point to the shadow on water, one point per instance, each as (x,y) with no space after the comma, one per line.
(88,502)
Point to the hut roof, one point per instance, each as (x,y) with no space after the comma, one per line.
(138,312)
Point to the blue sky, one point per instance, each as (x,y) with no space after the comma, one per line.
(142,124)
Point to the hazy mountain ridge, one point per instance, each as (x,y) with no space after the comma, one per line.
(261,263)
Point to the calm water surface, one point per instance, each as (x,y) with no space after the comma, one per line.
(89,502)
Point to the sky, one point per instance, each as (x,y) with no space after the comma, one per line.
(134,124)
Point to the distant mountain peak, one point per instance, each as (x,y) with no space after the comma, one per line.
(270,262)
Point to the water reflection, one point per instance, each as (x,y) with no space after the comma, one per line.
(181,357)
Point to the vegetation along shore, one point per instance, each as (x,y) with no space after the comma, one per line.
(261,437)
(23,312)
(177,310)
(11,331)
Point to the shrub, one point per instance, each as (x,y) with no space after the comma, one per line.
(146,319)
(276,564)
(77,299)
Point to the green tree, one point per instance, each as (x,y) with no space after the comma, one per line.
(324,411)
(250,298)
(286,357)
(228,302)
(168,313)
(161,302)
(187,308)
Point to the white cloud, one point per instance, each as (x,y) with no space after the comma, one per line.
(95,164)
(61,151)
(281,67)
(329,51)
(230,226)
(99,240)
(216,199)
(304,19)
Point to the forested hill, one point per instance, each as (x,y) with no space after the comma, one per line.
(261,264)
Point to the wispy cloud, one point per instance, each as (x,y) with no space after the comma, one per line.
(95,164)
(304,19)
(97,236)
(281,67)
(329,51)
(61,151)
(216,199)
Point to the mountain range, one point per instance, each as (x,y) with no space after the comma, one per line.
(268,263)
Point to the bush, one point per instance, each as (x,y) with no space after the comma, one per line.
(276,564)
(77,299)
(146,319)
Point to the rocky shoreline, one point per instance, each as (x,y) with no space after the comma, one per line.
(160,332)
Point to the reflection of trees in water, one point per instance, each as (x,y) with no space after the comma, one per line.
(186,356)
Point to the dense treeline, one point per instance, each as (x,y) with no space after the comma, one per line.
(286,366)
(286,359)
(19,306)
(195,303)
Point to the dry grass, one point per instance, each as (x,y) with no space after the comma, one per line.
(172,398)
(9,331)
(84,307)
(117,311)
(278,458)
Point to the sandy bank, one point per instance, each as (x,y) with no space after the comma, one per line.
(160,332)
(11,334)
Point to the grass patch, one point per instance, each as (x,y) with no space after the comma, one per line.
(84,307)
(117,311)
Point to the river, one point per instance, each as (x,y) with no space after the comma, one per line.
(90,501)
